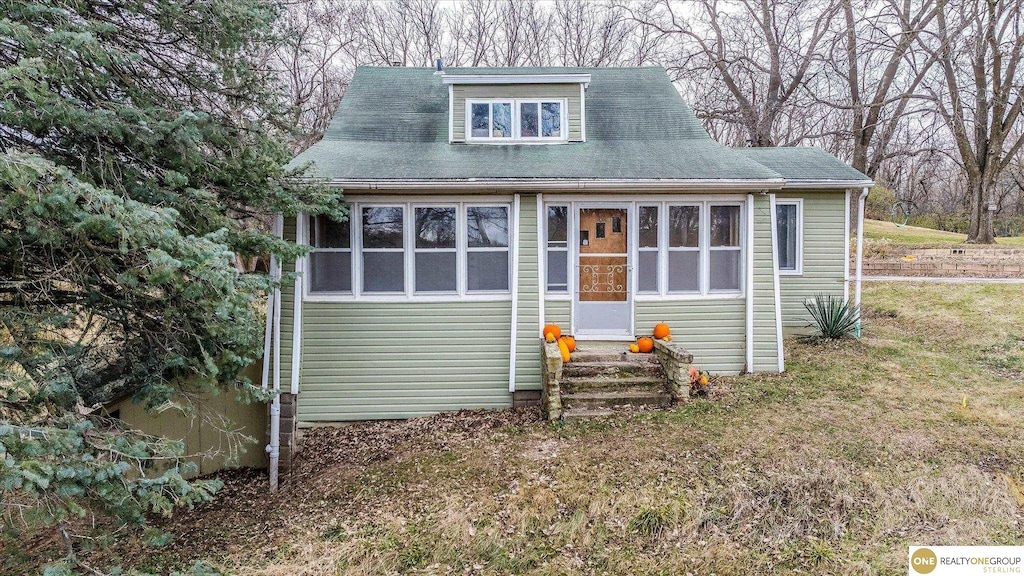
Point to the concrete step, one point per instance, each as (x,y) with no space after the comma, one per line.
(616,398)
(586,413)
(607,355)
(611,369)
(625,384)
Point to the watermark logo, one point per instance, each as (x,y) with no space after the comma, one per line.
(923,561)
(965,560)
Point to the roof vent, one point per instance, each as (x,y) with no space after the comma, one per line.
(440,67)
(396,63)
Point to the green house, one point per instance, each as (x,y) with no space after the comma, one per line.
(485,203)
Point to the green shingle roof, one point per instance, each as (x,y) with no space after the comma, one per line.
(804,163)
(392,124)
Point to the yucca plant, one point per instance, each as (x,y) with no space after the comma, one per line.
(834,317)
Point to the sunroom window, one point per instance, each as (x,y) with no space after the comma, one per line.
(689,249)
(331,259)
(383,249)
(487,262)
(536,120)
(435,250)
(558,248)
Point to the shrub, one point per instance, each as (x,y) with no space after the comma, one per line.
(834,317)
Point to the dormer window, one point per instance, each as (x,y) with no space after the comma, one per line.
(518,120)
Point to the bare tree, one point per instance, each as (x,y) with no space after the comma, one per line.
(590,34)
(761,51)
(978,94)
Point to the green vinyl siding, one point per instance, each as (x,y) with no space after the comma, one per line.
(287,312)
(528,347)
(570,92)
(824,255)
(558,312)
(372,360)
(766,341)
(712,330)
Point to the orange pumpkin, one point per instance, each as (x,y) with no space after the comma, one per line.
(570,343)
(552,329)
(661,330)
(564,349)
(645,344)
(634,348)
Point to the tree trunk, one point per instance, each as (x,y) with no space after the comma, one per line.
(981,229)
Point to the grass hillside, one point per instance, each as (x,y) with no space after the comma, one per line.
(921,237)
(911,435)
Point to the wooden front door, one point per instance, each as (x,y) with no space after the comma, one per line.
(603,305)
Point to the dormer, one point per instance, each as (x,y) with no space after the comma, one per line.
(520,107)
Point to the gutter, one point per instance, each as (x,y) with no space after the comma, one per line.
(826,184)
(561,184)
(860,253)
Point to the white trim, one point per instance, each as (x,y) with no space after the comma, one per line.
(515,78)
(514,248)
(300,268)
(515,118)
(542,260)
(688,296)
(775,280)
(799,203)
(560,184)
(583,113)
(451,114)
(860,250)
(749,296)
(846,249)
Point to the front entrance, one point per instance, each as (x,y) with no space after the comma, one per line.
(603,300)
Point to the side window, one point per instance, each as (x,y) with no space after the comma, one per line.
(435,251)
(725,251)
(647,251)
(789,234)
(558,248)
(684,249)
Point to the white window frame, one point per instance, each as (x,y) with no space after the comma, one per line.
(656,249)
(739,248)
(313,232)
(409,249)
(548,248)
(516,137)
(467,250)
(799,257)
(404,250)
(703,247)
(455,249)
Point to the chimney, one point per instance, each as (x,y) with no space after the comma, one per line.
(440,67)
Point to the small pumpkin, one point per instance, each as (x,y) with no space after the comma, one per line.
(645,344)
(564,349)
(634,348)
(661,330)
(570,343)
(552,329)
(549,337)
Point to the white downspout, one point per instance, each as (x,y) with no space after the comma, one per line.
(860,250)
(750,283)
(297,294)
(274,448)
(515,295)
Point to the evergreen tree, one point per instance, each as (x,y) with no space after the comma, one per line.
(140,149)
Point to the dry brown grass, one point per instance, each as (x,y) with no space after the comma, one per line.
(857,451)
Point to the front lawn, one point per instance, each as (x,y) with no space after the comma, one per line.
(913,435)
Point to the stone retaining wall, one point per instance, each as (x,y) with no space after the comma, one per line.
(942,268)
(675,363)
(551,374)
